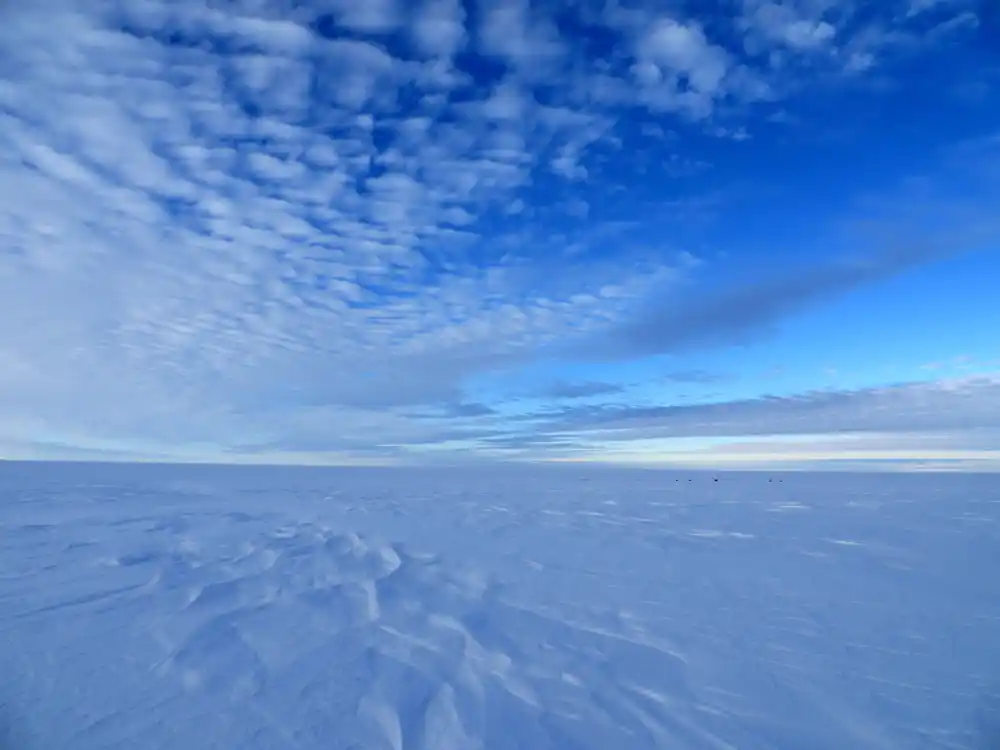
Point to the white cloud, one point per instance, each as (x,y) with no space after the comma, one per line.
(799,26)
(196,235)
(513,32)
(508,101)
(948,406)
(677,68)
(371,16)
(683,48)
(439,27)
(352,73)
(918,7)
(788,36)
(229,224)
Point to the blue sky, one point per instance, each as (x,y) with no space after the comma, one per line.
(742,234)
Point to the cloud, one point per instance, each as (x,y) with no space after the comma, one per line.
(228,210)
(794,39)
(677,68)
(799,26)
(967,441)
(694,376)
(516,34)
(470,410)
(956,405)
(961,450)
(912,228)
(917,7)
(255,225)
(741,313)
(567,390)
(439,28)
(370,17)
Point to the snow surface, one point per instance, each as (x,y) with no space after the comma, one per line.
(205,607)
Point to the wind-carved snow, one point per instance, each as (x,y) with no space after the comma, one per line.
(208,608)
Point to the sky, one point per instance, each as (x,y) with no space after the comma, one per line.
(743,233)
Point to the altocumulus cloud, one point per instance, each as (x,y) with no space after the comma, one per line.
(299,227)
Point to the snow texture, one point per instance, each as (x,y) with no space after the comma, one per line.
(205,607)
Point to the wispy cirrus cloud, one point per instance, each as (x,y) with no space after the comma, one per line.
(945,405)
(701,377)
(954,419)
(906,228)
(586,389)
